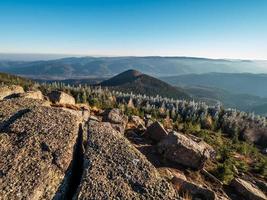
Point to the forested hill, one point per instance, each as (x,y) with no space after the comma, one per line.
(239,83)
(8,79)
(138,83)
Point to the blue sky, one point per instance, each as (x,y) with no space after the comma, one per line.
(203,28)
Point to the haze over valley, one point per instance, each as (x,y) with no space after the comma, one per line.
(239,84)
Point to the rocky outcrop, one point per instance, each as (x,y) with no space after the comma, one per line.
(156,132)
(195,190)
(117,119)
(6,91)
(209,149)
(261,184)
(36,149)
(61,97)
(82,114)
(11,109)
(181,149)
(247,190)
(32,95)
(114,169)
(138,122)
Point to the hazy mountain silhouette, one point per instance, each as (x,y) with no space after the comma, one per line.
(136,82)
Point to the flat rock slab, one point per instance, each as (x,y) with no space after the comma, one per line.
(6,91)
(195,190)
(12,109)
(32,95)
(36,149)
(247,190)
(114,169)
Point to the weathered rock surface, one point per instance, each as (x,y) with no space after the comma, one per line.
(181,149)
(36,149)
(138,122)
(148,122)
(114,169)
(32,95)
(82,115)
(6,91)
(61,97)
(94,118)
(156,132)
(195,190)
(247,190)
(262,185)
(210,150)
(11,109)
(117,119)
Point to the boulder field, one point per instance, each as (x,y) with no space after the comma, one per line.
(42,147)
(57,149)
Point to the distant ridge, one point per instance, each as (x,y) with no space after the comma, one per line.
(239,83)
(105,67)
(138,83)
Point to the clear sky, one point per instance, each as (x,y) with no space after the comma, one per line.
(203,28)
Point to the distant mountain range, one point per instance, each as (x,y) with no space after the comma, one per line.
(244,102)
(88,67)
(232,82)
(138,83)
(242,83)
(247,92)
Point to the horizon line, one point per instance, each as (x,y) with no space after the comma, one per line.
(77,55)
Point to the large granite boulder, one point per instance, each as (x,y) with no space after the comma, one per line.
(117,119)
(36,149)
(114,169)
(156,132)
(32,95)
(61,97)
(181,149)
(195,190)
(6,91)
(248,190)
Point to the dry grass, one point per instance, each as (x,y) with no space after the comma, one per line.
(186,196)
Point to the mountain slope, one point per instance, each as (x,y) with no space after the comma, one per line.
(244,83)
(8,79)
(244,102)
(83,67)
(136,82)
